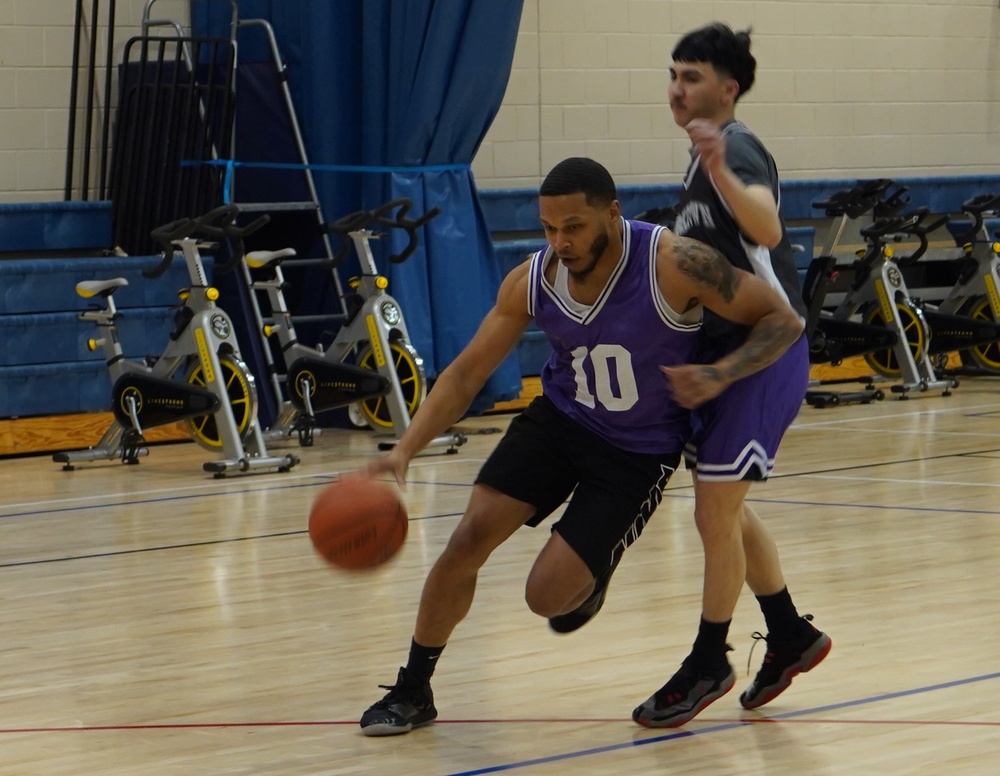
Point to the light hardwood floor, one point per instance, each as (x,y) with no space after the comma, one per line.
(157,621)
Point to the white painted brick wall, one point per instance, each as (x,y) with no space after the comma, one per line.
(845,88)
(36,46)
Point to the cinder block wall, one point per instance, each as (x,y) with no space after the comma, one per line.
(36,50)
(845,88)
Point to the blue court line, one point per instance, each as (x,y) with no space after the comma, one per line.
(160,548)
(854,505)
(158,500)
(666,494)
(726,726)
(185,545)
(322,479)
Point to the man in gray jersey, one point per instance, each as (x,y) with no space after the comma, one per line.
(731,202)
(619,301)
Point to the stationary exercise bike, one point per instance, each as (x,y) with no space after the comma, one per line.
(976,292)
(933,330)
(370,366)
(834,339)
(199,378)
(879,296)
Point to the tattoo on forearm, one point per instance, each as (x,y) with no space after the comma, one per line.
(707,266)
(711,372)
(765,343)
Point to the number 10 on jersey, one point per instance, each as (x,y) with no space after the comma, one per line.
(605,361)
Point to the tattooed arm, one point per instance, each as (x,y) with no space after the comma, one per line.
(690,273)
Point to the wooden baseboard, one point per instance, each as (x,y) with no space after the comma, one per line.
(53,433)
(530,388)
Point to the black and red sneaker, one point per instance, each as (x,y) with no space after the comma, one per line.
(684,696)
(784,661)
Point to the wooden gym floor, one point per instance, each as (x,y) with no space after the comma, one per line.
(157,621)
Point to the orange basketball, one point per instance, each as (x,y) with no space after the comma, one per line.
(357,523)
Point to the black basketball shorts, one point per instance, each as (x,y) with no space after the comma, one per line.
(546,458)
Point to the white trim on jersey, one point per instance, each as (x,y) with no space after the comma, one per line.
(758,256)
(564,304)
(533,269)
(667,314)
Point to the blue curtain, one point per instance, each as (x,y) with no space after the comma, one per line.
(407,88)
(434,74)
(318,40)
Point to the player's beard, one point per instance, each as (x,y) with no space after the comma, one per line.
(597,248)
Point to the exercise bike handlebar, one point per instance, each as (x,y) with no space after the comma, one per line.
(410,225)
(879,229)
(856,201)
(892,204)
(916,226)
(219,223)
(981,204)
(362,219)
(976,208)
(900,226)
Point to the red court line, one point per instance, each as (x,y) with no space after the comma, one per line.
(566,721)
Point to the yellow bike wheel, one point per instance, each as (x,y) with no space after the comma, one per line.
(884,362)
(409,370)
(242,390)
(987,355)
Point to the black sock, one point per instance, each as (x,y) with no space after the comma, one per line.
(783,621)
(421,663)
(710,648)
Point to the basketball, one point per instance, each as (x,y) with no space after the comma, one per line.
(357,524)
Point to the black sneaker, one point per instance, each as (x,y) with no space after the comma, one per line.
(403,708)
(584,613)
(684,696)
(783,661)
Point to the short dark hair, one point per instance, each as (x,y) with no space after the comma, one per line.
(727,51)
(580,175)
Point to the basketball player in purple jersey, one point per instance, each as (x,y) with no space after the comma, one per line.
(618,301)
(731,202)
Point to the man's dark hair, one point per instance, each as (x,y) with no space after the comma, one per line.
(580,175)
(727,51)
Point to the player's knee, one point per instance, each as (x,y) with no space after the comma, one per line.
(718,521)
(542,602)
(535,602)
(468,547)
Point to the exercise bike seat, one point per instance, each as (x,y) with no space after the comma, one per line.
(91,288)
(261,259)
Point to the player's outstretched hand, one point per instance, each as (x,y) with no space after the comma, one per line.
(395,462)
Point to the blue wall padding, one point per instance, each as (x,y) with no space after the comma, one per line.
(515,210)
(55,226)
(49,285)
(53,389)
(44,338)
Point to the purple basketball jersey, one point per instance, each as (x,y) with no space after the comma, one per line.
(604,368)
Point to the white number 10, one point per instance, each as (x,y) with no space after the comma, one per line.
(603,357)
